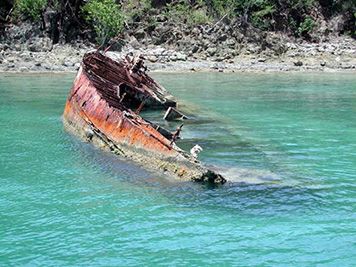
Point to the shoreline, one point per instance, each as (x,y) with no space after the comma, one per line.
(67,58)
(205,67)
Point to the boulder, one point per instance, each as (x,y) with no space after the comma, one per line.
(211,51)
(152,58)
(140,34)
(298,63)
(39,44)
(181,57)
(222,37)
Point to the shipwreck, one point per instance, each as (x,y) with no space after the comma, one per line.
(103,107)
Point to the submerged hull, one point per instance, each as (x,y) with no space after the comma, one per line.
(110,124)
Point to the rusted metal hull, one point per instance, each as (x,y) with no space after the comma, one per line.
(90,115)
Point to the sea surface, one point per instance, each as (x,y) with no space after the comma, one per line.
(286,142)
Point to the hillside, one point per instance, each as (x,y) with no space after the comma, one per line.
(198,30)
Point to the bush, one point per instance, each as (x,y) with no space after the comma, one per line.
(221,8)
(262,18)
(307,26)
(30,8)
(134,9)
(106,17)
(199,16)
(182,11)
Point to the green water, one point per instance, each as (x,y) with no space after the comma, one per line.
(287,142)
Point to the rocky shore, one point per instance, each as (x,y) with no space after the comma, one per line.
(200,49)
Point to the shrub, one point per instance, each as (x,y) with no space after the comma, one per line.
(182,11)
(307,26)
(30,8)
(262,18)
(220,8)
(135,8)
(199,16)
(106,17)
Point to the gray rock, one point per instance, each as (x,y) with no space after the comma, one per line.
(222,38)
(67,63)
(23,69)
(161,18)
(181,57)
(140,34)
(298,63)
(39,44)
(152,59)
(211,51)
(195,31)
(231,42)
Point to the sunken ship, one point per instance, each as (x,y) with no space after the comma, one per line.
(103,107)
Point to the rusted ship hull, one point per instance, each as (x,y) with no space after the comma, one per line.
(109,124)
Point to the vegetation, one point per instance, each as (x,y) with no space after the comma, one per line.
(30,8)
(108,17)
(307,26)
(183,12)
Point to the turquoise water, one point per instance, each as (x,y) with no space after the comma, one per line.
(287,143)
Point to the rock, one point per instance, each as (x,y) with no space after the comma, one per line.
(261,59)
(298,63)
(39,44)
(134,43)
(323,63)
(17,47)
(211,51)
(23,69)
(195,31)
(205,44)
(195,48)
(77,66)
(253,49)
(152,59)
(181,57)
(38,64)
(230,42)
(67,63)
(161,18)
(222,38)
(140,34)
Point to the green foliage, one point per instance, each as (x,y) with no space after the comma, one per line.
(182,12)
(106,17)
(199,16)
(30,8)
(135,8)
(261,18)
(307,26)
(221,8)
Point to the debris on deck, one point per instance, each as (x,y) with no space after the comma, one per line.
(173,114)
(104,105)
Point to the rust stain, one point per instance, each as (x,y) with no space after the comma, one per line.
(95,103)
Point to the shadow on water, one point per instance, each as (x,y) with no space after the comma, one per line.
(254,192)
